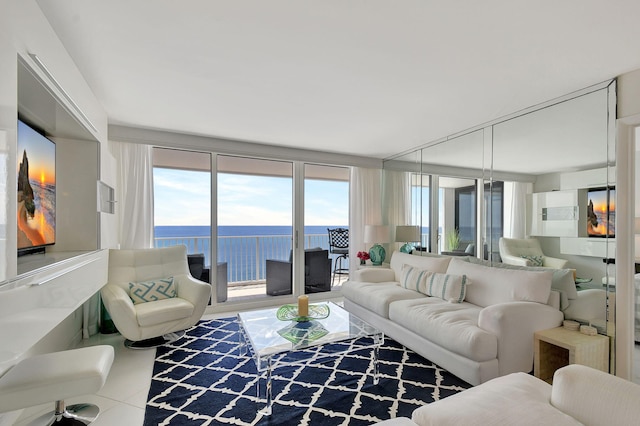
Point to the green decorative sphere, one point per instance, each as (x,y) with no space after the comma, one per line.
(377,254)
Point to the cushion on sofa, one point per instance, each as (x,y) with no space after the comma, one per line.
(451,325)
(562,279)
(430,263)
(377,296)
(496,285)
(413,278)
(449,287)
(515,399)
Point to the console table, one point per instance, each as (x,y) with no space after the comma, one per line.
(34,303)
(557,347)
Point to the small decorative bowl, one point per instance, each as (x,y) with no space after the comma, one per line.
(290,313)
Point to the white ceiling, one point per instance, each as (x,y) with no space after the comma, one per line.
(370,77)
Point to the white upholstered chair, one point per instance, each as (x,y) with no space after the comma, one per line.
(518,251)
(155,322)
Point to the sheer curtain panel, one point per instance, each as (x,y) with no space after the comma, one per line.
(134,194)
(365,207)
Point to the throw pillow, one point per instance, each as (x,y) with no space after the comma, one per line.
(535,260)
(452,288)
(149,291)
(413,278)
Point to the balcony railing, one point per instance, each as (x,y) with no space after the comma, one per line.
(246,255)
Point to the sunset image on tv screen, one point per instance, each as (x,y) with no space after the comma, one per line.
(36,188)
(601,213)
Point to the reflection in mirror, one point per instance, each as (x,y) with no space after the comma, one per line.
(519,166)
(452,168)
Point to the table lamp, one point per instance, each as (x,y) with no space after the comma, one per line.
(407,234)
(376,234)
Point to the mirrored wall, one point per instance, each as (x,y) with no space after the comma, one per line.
(547,172)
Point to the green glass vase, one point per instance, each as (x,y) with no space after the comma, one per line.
(377,254)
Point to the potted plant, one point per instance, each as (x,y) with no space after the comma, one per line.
(363,256)
(453,239)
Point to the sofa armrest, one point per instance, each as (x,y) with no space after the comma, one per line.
(554,262)
(582,392)
(373,275)
(513,324)
(590,305)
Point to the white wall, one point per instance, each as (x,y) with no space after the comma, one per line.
(24,30)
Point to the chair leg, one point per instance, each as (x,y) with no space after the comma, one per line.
(154,342)
(72,415)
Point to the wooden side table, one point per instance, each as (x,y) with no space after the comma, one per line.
(557,347)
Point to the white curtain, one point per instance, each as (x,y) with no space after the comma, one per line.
(365,208)
(516,211)
(396,201)
(134,194)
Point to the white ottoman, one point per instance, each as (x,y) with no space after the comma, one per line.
(54,377)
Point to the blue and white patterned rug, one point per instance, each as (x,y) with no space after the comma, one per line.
(202,379)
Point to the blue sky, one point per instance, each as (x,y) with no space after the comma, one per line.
(183,198)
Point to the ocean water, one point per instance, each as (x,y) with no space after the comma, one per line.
(244,248)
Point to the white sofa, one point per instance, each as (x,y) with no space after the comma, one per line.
(489,334)
(579,396)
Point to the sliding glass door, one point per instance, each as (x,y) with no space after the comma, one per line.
(255,226)
(326,227)
(182,205)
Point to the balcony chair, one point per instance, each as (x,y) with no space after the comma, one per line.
(339,244)
(164,307)
(526,252)
(317,273)
(202,273)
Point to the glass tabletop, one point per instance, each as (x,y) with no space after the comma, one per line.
(267,335)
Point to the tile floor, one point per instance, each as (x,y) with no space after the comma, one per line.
(123,397)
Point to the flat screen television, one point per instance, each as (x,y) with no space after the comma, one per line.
(601,212)
(36,165)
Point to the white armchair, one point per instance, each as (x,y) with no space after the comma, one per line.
(144,324)
(512,251)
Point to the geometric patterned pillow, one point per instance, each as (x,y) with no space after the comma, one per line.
(449,287)
(149,291)
(413,278)
(534,260)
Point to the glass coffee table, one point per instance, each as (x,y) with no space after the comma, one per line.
(269,339)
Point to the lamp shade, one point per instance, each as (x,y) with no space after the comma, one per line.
(407,234)
(376,234)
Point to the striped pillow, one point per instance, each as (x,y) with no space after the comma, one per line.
(413,278)
(452,288)
(149,291)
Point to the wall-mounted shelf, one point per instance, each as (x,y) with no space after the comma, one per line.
(594,247)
